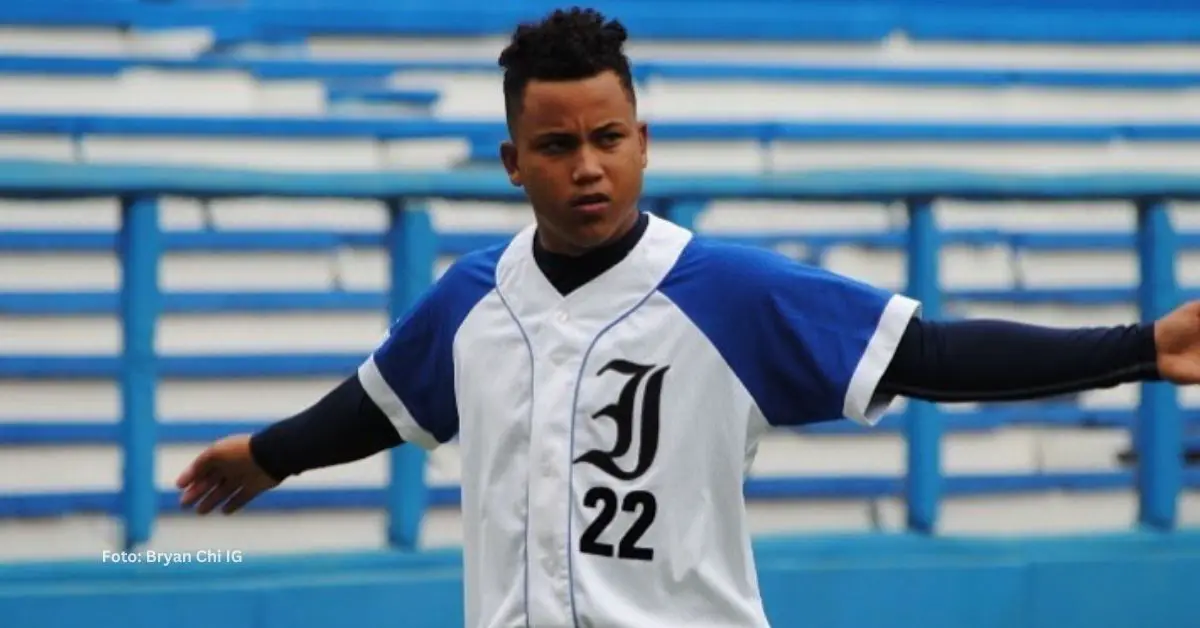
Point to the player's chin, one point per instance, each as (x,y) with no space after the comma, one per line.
(592,234)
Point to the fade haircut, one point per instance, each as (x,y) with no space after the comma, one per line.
(567,45)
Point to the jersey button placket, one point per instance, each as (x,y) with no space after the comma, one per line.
(559,343)
(561,354)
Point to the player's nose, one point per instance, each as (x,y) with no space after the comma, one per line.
(587,168)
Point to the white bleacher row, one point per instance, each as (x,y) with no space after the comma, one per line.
(896,51)
(150,91)
(477,95)
(735,157)
(99,41)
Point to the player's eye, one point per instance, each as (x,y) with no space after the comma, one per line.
(555,146)
(611,138)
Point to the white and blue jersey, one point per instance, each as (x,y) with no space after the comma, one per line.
(606,434)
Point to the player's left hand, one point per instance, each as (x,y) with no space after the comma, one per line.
(1177,338)
(224,475)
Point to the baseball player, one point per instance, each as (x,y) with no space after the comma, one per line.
(608,374)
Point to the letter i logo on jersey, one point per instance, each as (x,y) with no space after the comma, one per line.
(646,379)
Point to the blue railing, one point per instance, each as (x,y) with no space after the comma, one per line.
(488,132)
(413,246)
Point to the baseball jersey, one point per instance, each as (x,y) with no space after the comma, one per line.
(605,435)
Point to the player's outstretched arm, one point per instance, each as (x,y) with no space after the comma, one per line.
(988,360)
(403,392)
(344,426)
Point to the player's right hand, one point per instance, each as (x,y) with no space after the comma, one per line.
(223,475)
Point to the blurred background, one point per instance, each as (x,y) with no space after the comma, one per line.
(255,286)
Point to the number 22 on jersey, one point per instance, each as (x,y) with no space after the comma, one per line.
(605,500)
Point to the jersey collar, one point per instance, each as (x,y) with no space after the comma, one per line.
(599,302)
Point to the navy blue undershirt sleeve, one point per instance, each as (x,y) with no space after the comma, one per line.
(991,360)
(343,426)
(977,360)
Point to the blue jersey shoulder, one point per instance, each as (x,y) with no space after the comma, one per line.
(792,333)
(709,272)
(417,358)
(471,277)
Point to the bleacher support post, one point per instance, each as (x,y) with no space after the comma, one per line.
(924,432)
(139,250)
(412,251)
(1159,435)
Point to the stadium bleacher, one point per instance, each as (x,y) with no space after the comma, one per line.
(280,86)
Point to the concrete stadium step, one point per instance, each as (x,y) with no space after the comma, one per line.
(361,155)
(98,40)
(782,454)
(194,399)
(304,154)
(162,92)
(1047,513)
(39,147)
(315,155)
(748,99)
(201,334)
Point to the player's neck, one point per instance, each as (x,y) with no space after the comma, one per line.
(568,272)
(564,249)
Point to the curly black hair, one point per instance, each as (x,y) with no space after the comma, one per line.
(569,44)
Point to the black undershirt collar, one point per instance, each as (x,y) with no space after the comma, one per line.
(567,273)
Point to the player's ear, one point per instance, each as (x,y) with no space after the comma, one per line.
(644,141)
(508,155)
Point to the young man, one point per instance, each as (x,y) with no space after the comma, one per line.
(608,374)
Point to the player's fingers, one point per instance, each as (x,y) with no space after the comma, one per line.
(196,490)
(215,497)
(199,467)
(240,499)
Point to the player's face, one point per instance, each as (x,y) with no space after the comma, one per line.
(579,152)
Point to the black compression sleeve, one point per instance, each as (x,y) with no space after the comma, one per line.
(986,360)
(344,426)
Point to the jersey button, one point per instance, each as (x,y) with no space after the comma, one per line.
(563,317)
(559,356)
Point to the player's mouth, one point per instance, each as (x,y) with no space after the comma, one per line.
(591,204)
